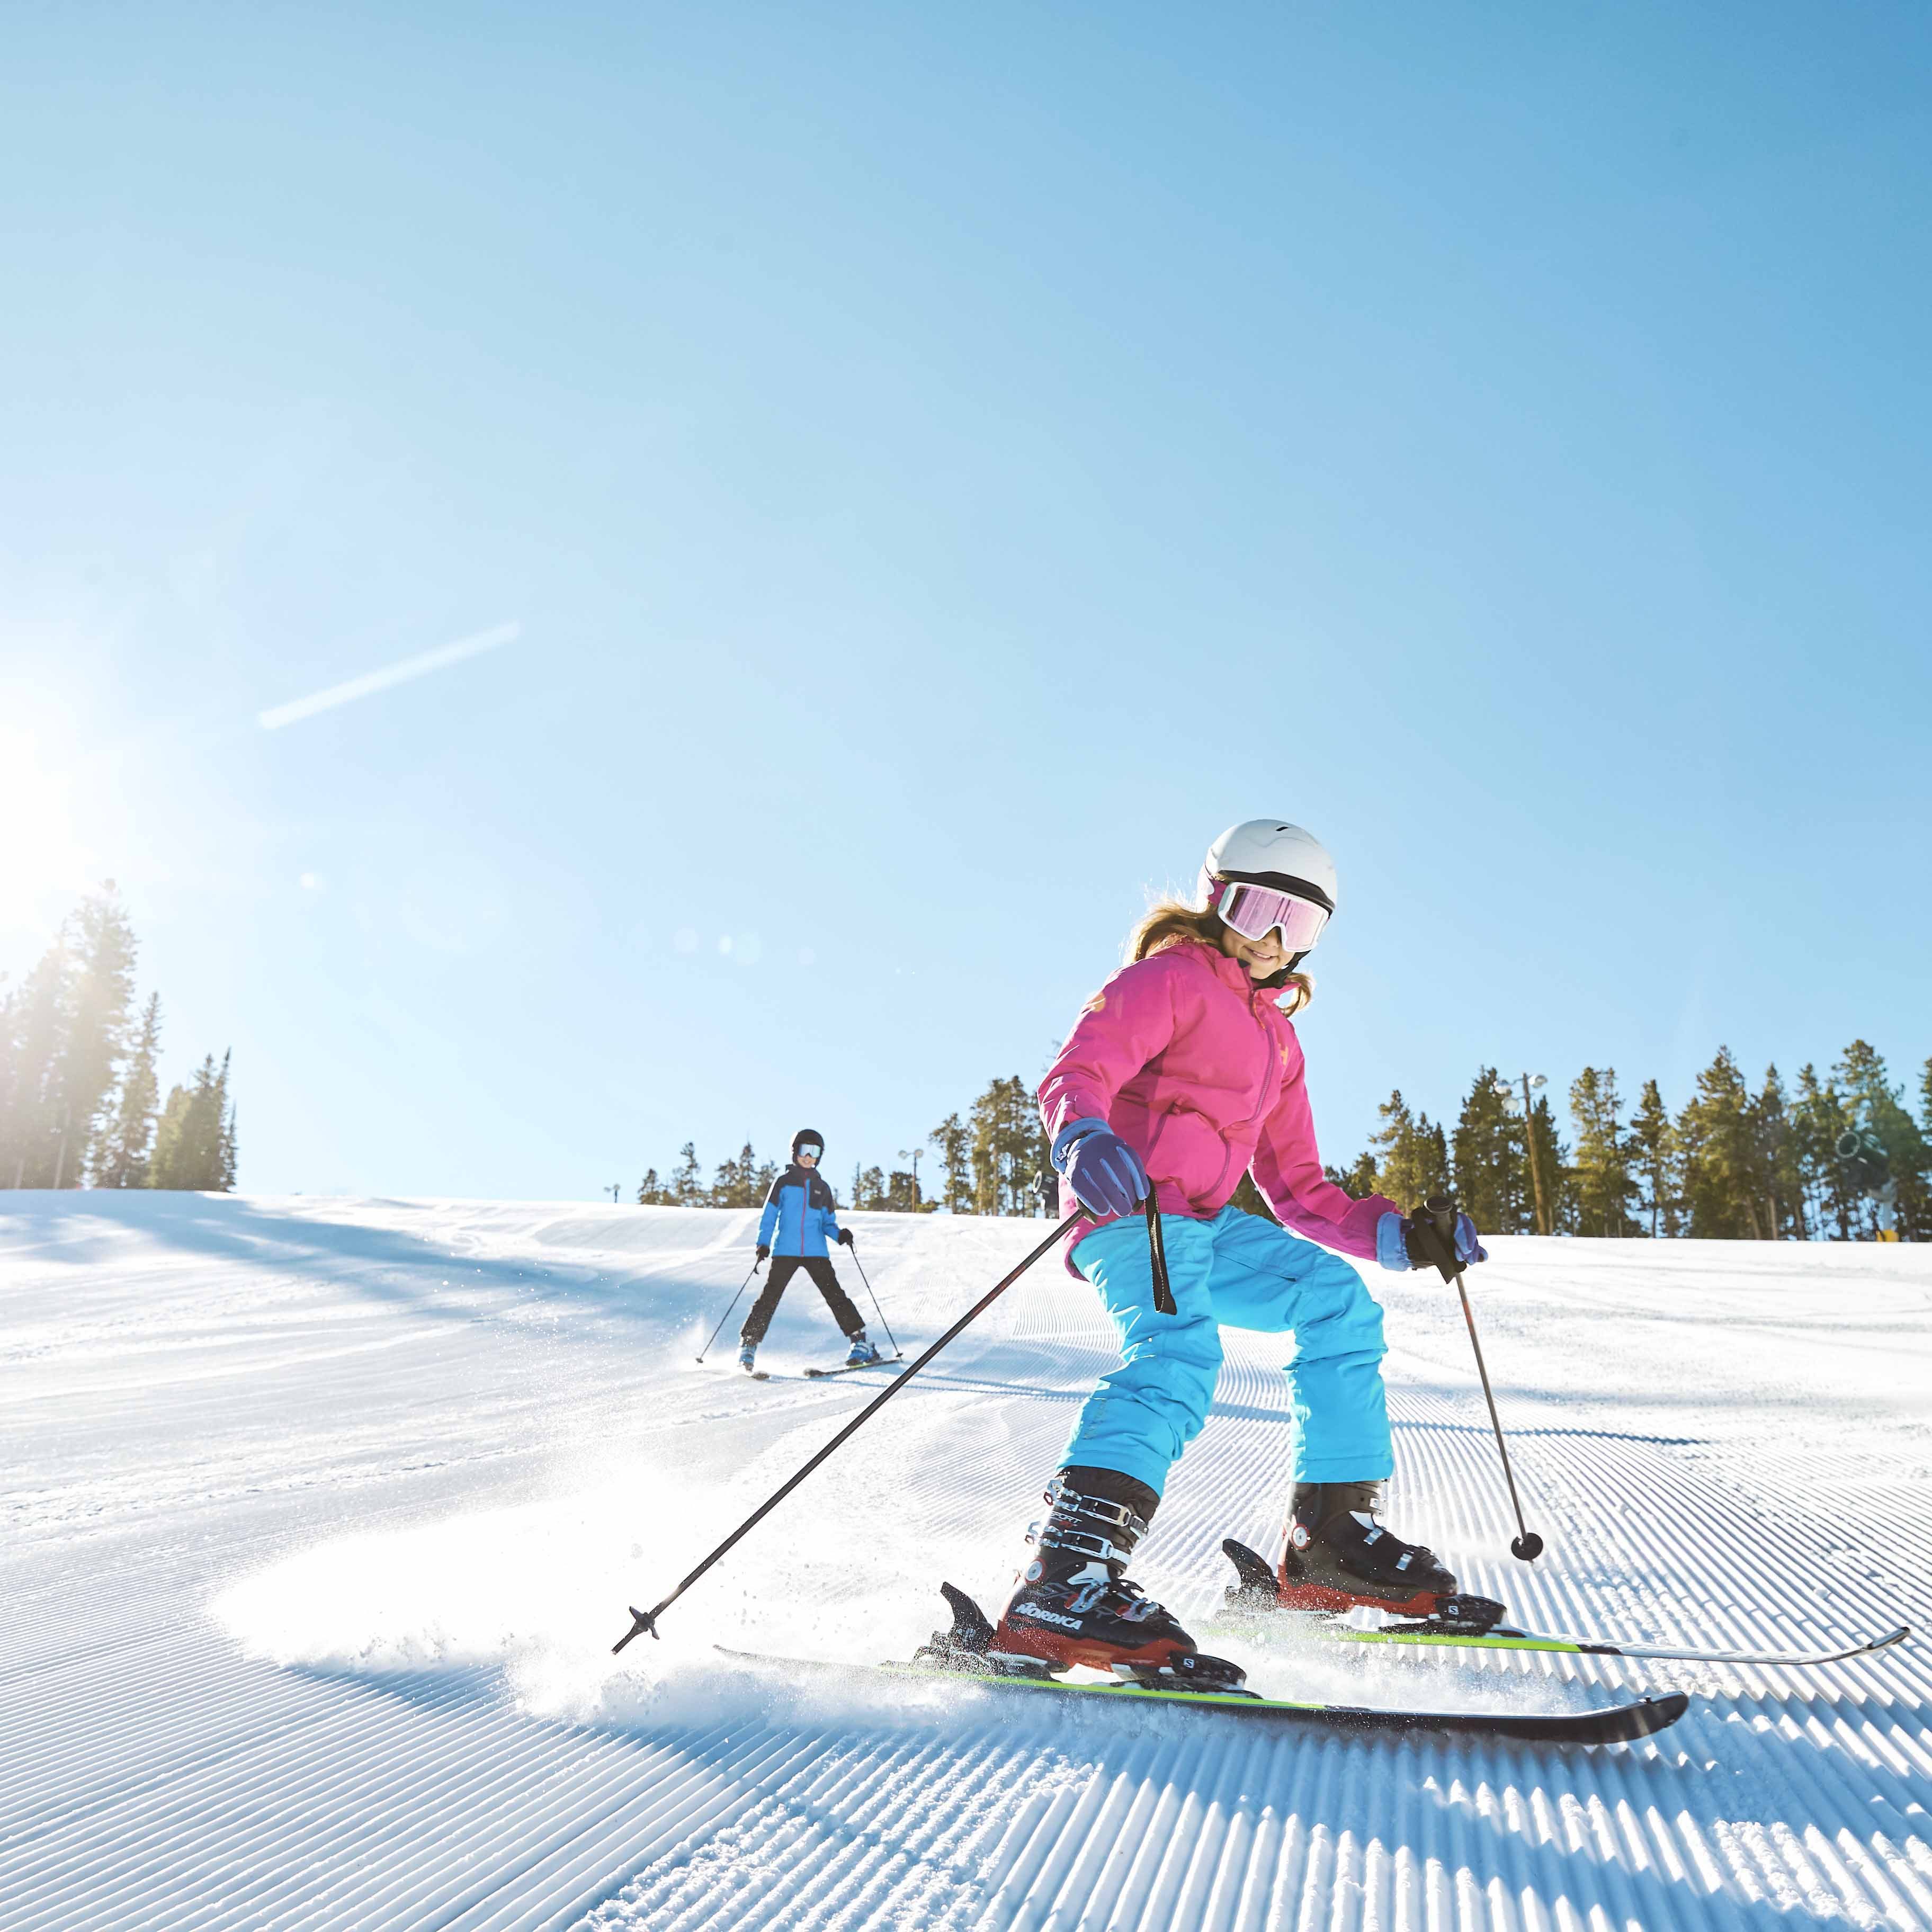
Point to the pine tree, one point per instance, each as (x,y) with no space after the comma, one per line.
(1827,1199)
(1411,1155)
(1360,1179)
(687,1178)
(1653,1143)
(194,1143)
(100,946)
(869,1190)
(954,1147)
(225,1183)
(1553,1163)
(1009,1148)
(122,1160)
(1492,1179)
(652,1192)
(1724,1184)
(736,1184)
(1602,1170)
(1877,1105)
(31,1109)
(1774,1161)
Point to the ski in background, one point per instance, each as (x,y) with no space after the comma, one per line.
(1252,1609)
(847,1368)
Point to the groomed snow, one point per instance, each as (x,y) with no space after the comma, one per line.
(320,1518)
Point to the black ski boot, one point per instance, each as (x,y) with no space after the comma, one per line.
(1073,1604)
(1338,1557)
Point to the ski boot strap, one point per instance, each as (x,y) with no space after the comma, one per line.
(1087,1525)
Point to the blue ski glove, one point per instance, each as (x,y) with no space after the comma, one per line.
(1403,1242)
(1105,1173)
(845,1237)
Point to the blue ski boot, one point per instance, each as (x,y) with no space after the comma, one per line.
(862,1352)
(748,1357)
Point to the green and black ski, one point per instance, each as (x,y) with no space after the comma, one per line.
(957,1655)
(1252,1611)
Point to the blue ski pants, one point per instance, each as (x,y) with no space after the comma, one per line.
(1244,1272)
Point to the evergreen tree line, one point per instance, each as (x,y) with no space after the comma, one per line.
(79,1086)
(1732,1165)
(988,1162)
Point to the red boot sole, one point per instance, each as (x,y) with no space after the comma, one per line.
(1319,1597)
(1058,1652)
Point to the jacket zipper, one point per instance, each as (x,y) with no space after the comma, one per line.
(1267,1069)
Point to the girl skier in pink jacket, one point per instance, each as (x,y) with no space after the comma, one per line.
(1182,1074)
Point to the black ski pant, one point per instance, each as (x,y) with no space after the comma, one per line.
(783,1267)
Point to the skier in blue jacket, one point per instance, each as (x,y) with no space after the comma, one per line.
(799,1213)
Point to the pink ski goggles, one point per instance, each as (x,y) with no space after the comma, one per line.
(1255,911)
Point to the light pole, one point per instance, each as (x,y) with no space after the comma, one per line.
(912,1155)
(1508,1089)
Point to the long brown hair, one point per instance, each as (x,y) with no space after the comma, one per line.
(1170,921)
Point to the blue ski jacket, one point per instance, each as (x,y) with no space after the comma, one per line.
(799,1213)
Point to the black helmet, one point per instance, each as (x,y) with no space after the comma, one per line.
(808,1137)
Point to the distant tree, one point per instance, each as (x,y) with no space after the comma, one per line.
(32,1109)
(869,1189)
(954,1145)
(1009,1148)
(1487,1148)
(1601,1171)
(100,986)
(120,1159)
(1553,1160)
(736,1183)
(1925,1099)
(1359,1179)
(1250,1200)
(901,1196)
(1877,1105)
(1723,1181)
(1775,1148)
(1411,1156)
(687,1178)
(194,1145)
(652,1192)
(1653,1144)
(1827,1199)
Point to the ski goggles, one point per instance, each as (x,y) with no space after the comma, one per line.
(1255,911)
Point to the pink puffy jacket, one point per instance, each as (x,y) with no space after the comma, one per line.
(1200,1073)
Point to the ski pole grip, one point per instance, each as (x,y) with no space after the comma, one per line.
(1440,1211)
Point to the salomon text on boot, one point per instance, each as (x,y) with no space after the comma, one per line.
(1338,1557)
(1073,1604)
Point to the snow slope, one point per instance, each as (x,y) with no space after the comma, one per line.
(320,1518)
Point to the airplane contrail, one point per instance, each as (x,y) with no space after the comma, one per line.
(371,681)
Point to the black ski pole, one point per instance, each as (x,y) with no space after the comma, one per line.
(727,1316)
(647,1620)
(1441,1210)
(898,1353)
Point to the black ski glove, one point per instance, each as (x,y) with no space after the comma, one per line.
(764,1253)
(845,1237)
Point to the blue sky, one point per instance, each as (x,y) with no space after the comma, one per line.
(943,465)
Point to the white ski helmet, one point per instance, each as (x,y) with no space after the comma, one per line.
(1267,852)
